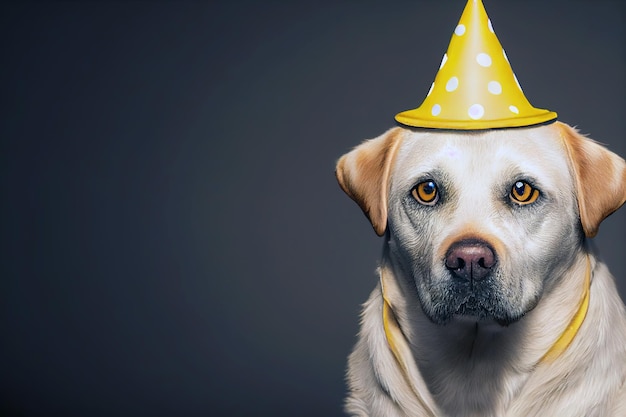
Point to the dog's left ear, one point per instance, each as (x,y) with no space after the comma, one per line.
(364,175)
(600,178)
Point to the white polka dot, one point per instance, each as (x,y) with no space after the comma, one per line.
(452,84)
(505,57)
(431,89)
(514,109)
(517,82)
(436,110)
(483,59)
(460,30)
(443,60)
(494,87)
(476,111)
(490,26)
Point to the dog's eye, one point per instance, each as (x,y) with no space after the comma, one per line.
(426,193)
(523,193)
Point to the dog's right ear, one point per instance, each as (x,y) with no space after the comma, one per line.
(364,175)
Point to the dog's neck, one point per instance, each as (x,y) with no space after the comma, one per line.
(570,332)
(481,353)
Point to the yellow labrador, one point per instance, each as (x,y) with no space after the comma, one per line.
(490,302)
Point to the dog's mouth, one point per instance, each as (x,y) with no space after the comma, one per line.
(477,304)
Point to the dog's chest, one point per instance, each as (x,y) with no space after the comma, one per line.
(469,379)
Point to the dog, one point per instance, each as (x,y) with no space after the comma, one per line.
(491,301)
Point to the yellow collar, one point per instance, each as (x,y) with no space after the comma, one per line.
(394,335)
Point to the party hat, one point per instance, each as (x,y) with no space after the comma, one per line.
(475,87)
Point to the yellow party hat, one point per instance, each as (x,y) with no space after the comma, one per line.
(475,87)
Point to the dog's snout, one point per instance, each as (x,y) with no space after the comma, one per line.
(470,260)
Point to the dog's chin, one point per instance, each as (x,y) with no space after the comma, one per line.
(483,315)
(473,314)
(485,322)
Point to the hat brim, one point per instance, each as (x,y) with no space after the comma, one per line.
(407,119)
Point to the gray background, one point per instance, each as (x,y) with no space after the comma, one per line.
(173,238)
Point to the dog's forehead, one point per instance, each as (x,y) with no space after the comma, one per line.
(537,150)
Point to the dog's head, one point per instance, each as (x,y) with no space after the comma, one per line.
(482,221)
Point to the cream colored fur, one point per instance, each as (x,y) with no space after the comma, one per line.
(461,366)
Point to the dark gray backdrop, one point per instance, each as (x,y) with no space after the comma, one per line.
(173,239)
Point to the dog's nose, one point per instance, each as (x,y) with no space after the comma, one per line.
(470,260)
